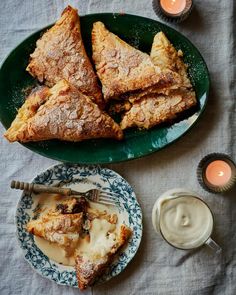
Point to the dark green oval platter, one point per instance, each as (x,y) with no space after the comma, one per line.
(139,32)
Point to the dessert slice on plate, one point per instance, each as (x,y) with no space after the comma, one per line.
(152,107)
(60,54)
(124,70)
(92,262)
(62,225)
(61,112)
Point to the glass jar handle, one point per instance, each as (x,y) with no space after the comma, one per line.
(213,245)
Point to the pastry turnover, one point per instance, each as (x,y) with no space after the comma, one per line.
(60,54)
(61,112)
(18,128)
(164,55)
(61,228)
(122,69)
(90,267)
(153,107)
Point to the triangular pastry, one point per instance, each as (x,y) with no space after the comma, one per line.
(122,69)
(60,54)
(37,97)
(91,266)
(164,55)
(63,229)
(153,107)
(61,225)
(61,112)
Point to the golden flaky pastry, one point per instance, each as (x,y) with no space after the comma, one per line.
(164,55)
(63,229)
(62,225)
(60,54)
(90,267)
(123,69)
(153,107)
(61,112)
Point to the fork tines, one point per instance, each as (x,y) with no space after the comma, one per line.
(107,198)
(107,201)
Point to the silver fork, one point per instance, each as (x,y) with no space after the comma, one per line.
(102,197)
(93,195)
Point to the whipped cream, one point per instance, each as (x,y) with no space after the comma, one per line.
(185,222)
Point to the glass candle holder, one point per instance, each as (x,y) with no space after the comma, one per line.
(216,173)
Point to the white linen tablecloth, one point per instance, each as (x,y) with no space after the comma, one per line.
(157,268)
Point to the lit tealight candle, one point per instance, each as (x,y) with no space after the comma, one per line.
(173,10)
(173,7)
(217,172)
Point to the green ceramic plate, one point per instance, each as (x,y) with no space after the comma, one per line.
(137,31)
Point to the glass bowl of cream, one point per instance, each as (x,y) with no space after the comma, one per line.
(184,220)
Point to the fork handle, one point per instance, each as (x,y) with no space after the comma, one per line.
(40,188)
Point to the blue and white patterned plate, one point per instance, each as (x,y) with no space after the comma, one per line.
(84,177)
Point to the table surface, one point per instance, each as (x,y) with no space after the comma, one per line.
(157,268)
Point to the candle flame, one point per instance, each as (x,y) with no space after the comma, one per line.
(221,173)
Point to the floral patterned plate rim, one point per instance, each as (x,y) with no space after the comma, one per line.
(85,177)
